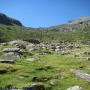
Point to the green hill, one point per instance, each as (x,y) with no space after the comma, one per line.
(75,30)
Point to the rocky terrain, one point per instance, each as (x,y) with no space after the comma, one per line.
(44,66)
(45,59)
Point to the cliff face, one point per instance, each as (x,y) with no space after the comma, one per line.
(4,19)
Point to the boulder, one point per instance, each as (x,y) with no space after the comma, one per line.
(7,61)
(57,50)
(75,88)
(10,55)
(11,50)
(35,86)
(85,58)
(30,45)
(18,42)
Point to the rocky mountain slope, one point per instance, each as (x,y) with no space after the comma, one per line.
(4,19)
(72,25)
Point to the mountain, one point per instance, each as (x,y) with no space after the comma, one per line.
(74,30)
(72,25)
(4,19)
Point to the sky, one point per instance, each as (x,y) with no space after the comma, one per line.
(45,13)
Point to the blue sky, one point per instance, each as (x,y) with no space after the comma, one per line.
(44,13)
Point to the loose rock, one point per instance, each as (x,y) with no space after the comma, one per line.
(82,75)
(75,88)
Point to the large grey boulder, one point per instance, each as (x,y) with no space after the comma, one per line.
(10,55)
(75,88)
(18,42)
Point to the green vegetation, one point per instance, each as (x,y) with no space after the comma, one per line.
(8,33)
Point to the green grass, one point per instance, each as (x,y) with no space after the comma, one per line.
(61,71)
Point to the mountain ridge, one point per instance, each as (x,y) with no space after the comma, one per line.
(4,19)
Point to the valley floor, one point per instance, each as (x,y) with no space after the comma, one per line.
(54,70)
